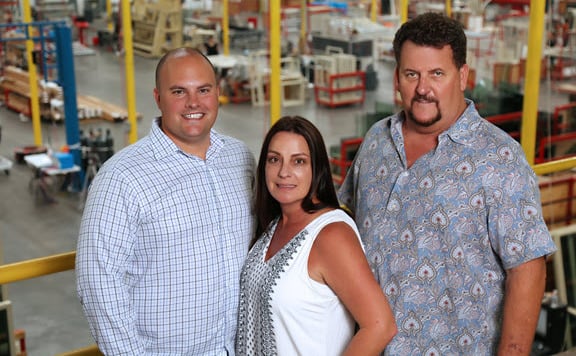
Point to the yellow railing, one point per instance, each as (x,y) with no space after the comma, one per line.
(38,267)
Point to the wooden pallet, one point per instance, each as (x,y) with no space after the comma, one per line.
(92,107)
(16,94)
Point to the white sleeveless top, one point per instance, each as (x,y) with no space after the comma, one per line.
(282,310)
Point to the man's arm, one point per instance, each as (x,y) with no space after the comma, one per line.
(102,255)
(522,300)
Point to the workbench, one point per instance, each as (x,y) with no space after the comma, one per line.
(43,168)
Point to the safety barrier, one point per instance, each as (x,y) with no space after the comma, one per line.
(38,267)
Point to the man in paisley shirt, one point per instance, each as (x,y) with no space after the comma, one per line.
(448,209)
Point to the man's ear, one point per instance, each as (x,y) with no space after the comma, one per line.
(464,72)
(156,96)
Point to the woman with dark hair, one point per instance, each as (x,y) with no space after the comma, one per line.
(306,281)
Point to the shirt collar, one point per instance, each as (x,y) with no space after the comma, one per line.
(464,129)
(163,146)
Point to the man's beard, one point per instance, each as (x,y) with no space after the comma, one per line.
(428,123)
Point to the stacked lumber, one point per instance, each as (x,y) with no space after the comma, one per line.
(18,80)
(90,106)
(16,88)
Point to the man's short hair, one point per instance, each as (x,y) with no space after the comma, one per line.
(433,30)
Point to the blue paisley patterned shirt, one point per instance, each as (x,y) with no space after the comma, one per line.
(441,234)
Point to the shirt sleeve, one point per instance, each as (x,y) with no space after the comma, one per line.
(517,229)
(103,275)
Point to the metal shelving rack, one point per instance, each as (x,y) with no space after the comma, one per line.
(62,37)
(336,80)
(53,10)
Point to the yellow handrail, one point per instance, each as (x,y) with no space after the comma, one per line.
(86,351)
(37,267)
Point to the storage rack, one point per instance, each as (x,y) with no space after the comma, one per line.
(157,28)
(336,80)
(54,9)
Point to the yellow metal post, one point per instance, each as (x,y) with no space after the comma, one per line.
(129,68)
(225,28)
(275,43)
(303,22)
(32,76)
(403,11)
(532,79)
(449,8)
(374,10)
(531,94)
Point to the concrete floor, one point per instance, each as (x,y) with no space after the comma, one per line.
(46,307)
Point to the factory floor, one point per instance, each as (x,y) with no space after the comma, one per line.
(46,308)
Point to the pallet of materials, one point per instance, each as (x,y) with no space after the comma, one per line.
(90,107)
(15,89)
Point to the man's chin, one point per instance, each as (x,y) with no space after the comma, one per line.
(424,119)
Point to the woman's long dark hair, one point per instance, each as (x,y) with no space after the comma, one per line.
(322,187)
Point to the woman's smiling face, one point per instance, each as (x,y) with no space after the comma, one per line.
(288,168)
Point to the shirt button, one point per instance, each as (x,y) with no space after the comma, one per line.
(403,177)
